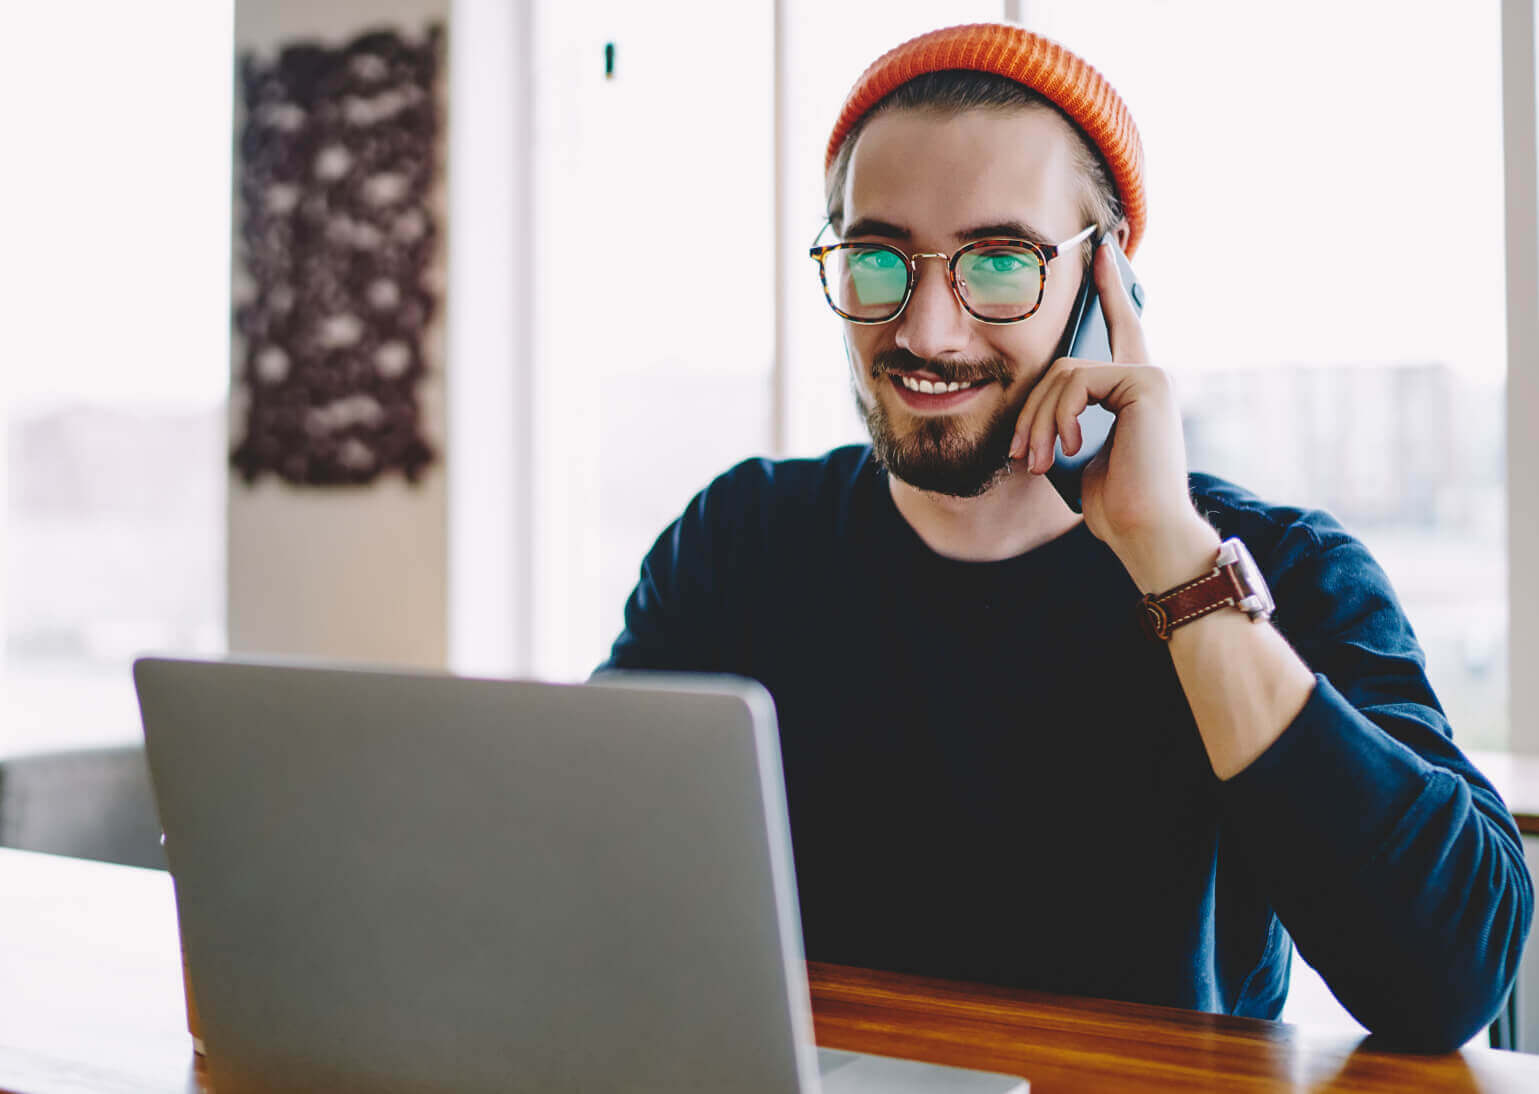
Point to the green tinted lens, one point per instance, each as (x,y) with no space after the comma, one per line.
(867,282)
(1000,282)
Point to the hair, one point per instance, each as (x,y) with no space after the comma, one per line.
(953,91)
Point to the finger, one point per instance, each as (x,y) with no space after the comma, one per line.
(1023,424)
(1044,428)
(1028,428)
(1071,404)
(1023,420)
(1123,326)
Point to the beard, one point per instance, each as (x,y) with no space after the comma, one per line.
(940,454)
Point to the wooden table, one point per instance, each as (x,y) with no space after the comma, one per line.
(91,1000)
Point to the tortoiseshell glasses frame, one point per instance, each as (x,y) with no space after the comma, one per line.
(1045,254)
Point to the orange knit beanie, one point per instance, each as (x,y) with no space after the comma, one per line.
(1039,63)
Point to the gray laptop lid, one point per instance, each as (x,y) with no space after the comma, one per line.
(402,882)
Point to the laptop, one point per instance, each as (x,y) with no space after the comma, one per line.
(396,882)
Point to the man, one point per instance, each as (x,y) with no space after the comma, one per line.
(1030,747)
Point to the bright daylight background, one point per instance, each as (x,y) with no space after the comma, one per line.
(1324,267)
(1323,262)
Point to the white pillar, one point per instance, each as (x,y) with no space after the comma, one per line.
(493,268)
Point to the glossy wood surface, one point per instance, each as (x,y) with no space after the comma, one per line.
(1070,1045)
(91,1000)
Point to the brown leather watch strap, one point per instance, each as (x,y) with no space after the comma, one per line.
(1165,612)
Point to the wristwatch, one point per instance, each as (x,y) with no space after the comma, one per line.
(1234,580)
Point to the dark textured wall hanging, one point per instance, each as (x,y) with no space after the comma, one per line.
(336,164)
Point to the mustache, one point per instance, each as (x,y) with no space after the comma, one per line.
(901,360)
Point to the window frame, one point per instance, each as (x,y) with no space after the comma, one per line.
(1521,180)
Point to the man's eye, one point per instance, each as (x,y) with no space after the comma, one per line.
(874,260)
(1003,263)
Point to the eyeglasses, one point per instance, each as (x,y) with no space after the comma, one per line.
(995,280)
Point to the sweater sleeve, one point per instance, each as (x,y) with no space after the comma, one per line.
(1391,861)
(685,613)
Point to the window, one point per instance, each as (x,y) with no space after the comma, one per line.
(697,402)
(826,48)
(1324,267)
(113,415)
(655,295)
(1344,374)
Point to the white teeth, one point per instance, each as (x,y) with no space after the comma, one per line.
(931,388)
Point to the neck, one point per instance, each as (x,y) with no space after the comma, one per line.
(1020,512)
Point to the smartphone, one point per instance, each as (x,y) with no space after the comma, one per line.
(1086,337)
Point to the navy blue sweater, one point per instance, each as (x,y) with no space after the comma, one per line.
(993,775)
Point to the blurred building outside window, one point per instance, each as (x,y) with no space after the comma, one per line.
(1323,267)
(113,407)
(1326,281)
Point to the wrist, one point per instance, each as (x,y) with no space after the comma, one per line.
(1175,554)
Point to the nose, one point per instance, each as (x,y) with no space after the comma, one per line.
(934,324)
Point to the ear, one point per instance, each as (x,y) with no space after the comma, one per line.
(1123,231)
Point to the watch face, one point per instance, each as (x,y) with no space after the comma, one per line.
(1259,600)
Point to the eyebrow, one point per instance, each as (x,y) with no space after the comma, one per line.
(1014,229)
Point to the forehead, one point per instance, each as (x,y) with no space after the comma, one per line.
(935,173)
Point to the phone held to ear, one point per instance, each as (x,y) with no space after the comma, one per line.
(1086,337)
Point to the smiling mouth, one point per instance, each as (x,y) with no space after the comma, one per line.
(932,393)
(935,387)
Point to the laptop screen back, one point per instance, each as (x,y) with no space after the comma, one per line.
(405,882)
